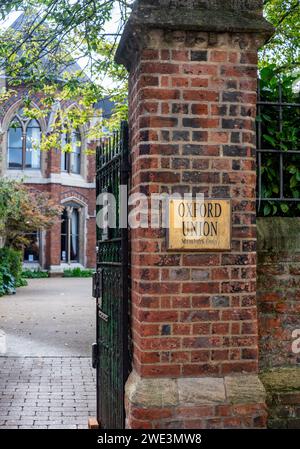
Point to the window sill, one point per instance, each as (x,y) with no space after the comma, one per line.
(32,173)
(69,179)
(31,265)
(65,174)
(65,266)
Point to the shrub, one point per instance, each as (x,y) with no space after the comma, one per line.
(78,273)
(10,271)
(23,211)
(7,281)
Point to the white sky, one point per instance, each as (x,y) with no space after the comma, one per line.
(10,19)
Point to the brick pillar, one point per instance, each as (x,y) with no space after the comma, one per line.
(192,120)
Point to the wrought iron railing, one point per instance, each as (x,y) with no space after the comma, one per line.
(278,153)
(113,355)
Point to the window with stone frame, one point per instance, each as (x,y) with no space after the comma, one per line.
(70,234)
(71,160)
(23,143)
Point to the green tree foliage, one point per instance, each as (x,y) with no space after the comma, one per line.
(279,64)
(63,31)
(23,212)
(55,34)
(283,48)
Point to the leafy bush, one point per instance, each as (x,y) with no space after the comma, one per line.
(23,212)
(78,273)
(10,271)
(279,134)
(35,274)
(7,281)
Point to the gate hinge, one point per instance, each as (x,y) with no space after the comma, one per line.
(94,355)
(97,284)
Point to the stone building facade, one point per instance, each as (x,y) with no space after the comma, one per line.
(69,178)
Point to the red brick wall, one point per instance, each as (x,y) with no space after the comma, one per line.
(91,162)
(278,290)
(192,103)
(278,301)
(223,416)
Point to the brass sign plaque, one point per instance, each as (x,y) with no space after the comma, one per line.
(199,225)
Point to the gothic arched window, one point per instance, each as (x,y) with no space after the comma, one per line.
(71,160)
(23,143)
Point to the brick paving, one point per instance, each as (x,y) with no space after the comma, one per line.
(46,378)
(46,392)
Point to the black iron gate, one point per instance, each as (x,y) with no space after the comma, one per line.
(111,352)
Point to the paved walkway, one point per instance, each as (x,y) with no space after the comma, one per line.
(46,378)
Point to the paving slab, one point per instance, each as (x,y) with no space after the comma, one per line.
(49,317)
(46,377)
